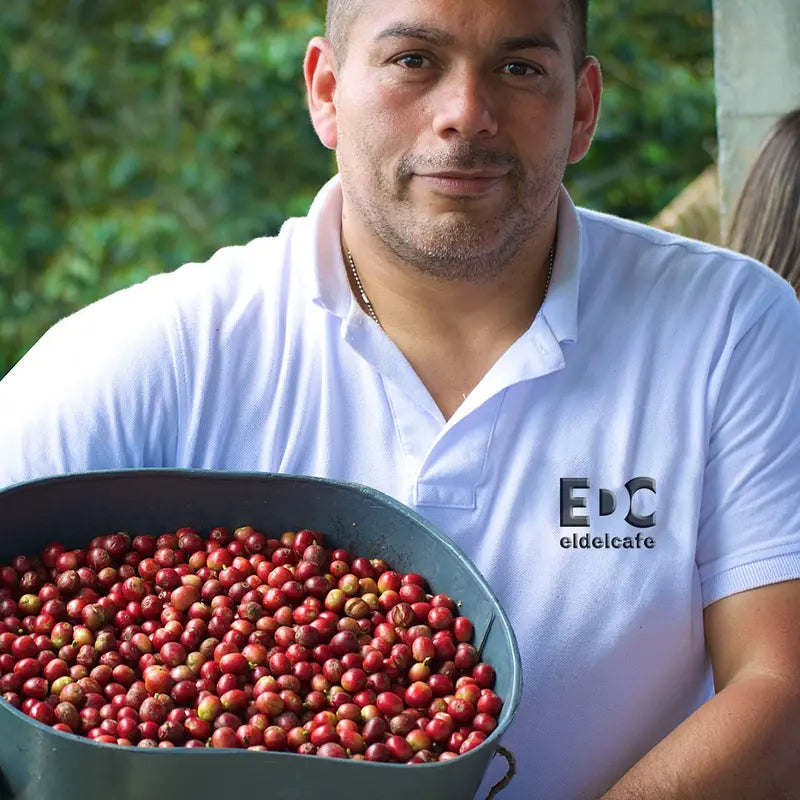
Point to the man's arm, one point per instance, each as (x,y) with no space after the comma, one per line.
(745,741)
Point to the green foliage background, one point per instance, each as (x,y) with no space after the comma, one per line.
(137,136)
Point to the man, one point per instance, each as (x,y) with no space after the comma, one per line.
(602,416)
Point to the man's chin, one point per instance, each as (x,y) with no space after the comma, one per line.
(451,262)
(464,244)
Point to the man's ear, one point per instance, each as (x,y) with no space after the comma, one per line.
(319,69)
(587,109)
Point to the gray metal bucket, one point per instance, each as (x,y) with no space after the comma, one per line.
(38,763)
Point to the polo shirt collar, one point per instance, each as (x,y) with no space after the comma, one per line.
(324,268)
(560,307)
(327,276)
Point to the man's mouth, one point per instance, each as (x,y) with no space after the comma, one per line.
(469,182)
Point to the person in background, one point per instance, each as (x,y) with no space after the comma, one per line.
(766,222)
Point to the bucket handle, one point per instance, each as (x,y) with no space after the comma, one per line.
(485,637)
(512,770)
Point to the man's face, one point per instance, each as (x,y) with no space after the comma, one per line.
(454,125)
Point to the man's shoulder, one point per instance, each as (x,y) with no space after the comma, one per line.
(607,230)
(234,274)
(232,266)
(232,277)
(663,263)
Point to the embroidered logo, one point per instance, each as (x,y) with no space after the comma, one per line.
(575,514)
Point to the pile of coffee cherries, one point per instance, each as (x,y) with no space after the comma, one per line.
(240,640)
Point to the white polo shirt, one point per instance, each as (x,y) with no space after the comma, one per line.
(654,359)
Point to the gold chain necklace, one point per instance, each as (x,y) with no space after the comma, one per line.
(371,311)
(364,297)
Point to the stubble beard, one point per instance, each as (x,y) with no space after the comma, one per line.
(457,246)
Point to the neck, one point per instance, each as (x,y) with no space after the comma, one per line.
(450,332)
(405,301)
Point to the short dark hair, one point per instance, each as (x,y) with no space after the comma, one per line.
(340,13)
(338,17)
(578,11)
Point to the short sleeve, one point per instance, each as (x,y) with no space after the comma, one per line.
(97,391)
(749,527)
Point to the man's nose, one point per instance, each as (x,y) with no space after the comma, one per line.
(463,106)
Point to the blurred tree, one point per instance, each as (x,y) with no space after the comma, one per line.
(138,136)
(135,137)
(658,122)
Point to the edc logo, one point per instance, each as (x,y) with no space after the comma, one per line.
(608,502)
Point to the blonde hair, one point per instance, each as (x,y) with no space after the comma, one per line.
(766,222)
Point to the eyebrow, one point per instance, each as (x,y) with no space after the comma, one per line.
(404,31)
(535,41)
(437,36)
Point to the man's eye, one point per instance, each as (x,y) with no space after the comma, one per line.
(412,61)
(520,69)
